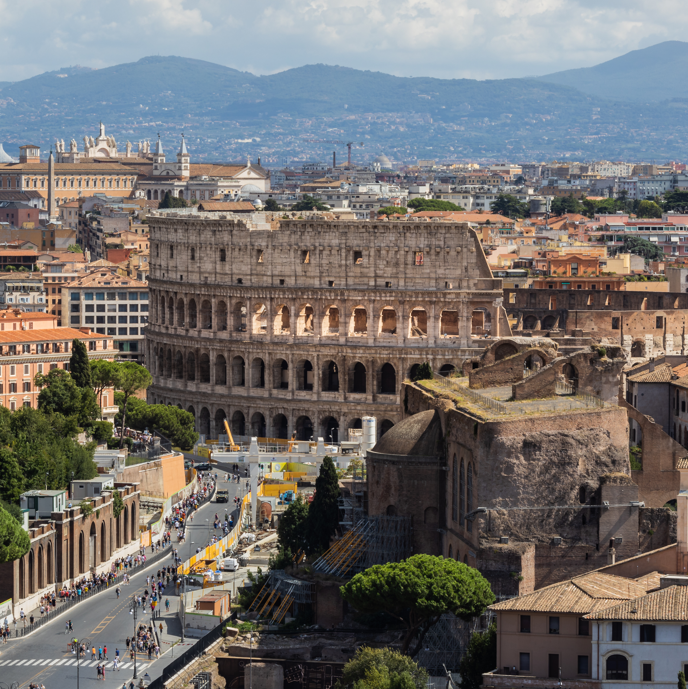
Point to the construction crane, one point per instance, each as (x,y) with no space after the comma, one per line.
(232,446)
(348,144)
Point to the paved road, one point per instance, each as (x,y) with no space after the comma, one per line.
(44,656)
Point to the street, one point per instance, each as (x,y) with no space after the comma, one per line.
(104,620)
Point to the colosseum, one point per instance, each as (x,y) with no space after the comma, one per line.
(307,325)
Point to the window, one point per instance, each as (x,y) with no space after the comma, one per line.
(617,631)
(92,346)
(553,625)
(583,627)
(133,319)
(26,369)
(88,296)
(261,254)
(88,308)
(27,387)
(133,307)
(684,633)
(417,258)
(171,252)
(75,308)
(647,633)
(553,665)
(223,255)
(13,387)
(524,662)
(13,370)
(193,253)
(525,624)
(100,320)
(133,331)
(358,258)
(74,320)
(583,665)
(100,296)
(122,308)
(88,320)
(100,308)
(305,256)
(121,319)
(647,672)
(574,269)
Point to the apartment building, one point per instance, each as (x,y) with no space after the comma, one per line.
(112,305)
(24,290)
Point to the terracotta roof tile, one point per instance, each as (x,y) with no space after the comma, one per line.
(662,374)
(48,335)
(666,605)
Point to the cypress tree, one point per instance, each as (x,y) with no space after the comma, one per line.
(79,365)
(681,681)
(323,514)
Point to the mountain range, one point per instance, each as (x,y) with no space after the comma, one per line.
(632,107)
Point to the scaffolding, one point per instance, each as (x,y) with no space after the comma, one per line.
(371,541)
(279,594)
(352,501)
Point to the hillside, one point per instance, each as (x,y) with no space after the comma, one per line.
(650,74)
(227,114)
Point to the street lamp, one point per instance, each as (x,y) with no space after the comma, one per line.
(132,611)
(79,644)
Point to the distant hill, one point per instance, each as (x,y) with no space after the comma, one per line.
(656,73)
(227,114)
(5,83)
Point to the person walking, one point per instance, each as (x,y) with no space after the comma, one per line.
(93,653)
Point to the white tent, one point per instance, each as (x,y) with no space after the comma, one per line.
(4,158)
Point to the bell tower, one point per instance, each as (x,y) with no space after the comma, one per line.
(183,160)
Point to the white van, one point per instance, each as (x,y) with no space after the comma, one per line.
(230,565)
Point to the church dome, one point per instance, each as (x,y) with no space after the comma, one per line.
(249,189)
(384,161)
(419,435)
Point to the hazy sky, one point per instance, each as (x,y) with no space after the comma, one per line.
(442,38)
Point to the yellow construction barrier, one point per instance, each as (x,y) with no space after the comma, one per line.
(274,490)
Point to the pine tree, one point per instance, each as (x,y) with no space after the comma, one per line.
(323,514)
(14,541)
(79,366)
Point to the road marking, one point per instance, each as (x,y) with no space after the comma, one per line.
(12,662)
(55,662)
(31,662)
(45,662)
(4,662)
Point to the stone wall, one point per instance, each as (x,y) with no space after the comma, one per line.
(262,325)
(158,478)
(508,370)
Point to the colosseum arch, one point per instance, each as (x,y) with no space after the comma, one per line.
(282,321)
(238,372)
(180,313)
(388,380)
(259,325)
(204,368)
(170,311)
(220,370)
(168,364)
(258,427)
(305,323)
(638,349)
(161,310)
(418,322)
(191,367)
(329,428)
(220,417)
(549,322)
(221,317)
(280,374)
(447,370)
(305,376)
(192,411)
(359,321)
(530,322)
(449,323)
(280,427)
(330,322)
(504,350)
(239,315)
(388,321)
(204,422)
(357,378)
(481,322)
(206,315)
(179,365)
(330,377)
(304,428)
(193,321)
(161,361)
(385,425)
(258,373)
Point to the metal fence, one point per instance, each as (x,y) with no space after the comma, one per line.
(481,400)
(159,446)
(566,389)
(186,658)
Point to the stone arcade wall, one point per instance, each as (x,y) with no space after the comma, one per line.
(264,324)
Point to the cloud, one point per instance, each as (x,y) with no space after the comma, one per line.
(442,38)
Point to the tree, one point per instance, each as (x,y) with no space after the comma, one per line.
(510,206)
(130,378)
(480,657)
(291,530)
(392,210)
(382,667)
(419,204)
(424,372)
(170,201)
(565,204)
(75,249)
(11,476)
(323,513)
(642,247)
(101,431)
(14,541)
(117,504)
(174,423)
(649,209)
(60,395)
(102,376)
(272,205)
(308,203)
(681,684)
(79,366)
(417,591)
(676,200)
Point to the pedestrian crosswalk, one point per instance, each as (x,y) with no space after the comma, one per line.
(65,662)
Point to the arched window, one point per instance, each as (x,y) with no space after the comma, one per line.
(617,667)
(455,490)
(469,495)
(223,255)
(462,494)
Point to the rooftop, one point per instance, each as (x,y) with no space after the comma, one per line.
(106,278)
(666,605)
(48,334)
